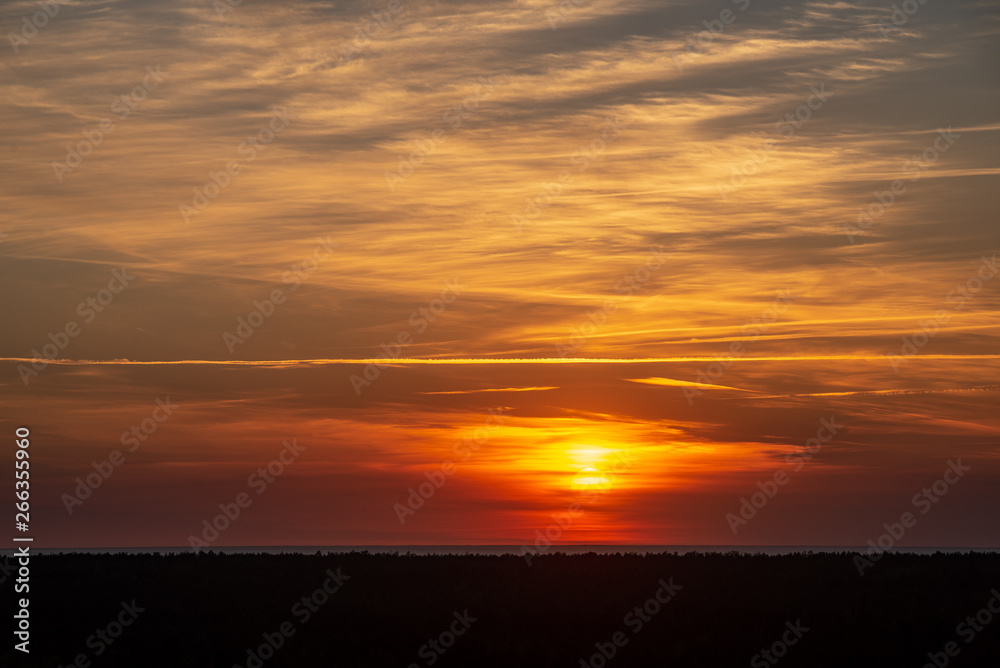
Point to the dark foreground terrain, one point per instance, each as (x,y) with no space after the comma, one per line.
(697,610)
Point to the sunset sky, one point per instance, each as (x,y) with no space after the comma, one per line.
(600,234)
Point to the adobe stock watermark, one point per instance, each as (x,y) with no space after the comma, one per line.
(636,619)
(420,320)
(753,330)
(223,6)
(621,462)
(555,16)
(88,310)
(365,33)
(786,127)
(914,169)
(453,120)
(779,648)
(101,639)
(435,648)
(967,629)
(121,106)
(302,610)
(901,13)
(625,286)
(922,501)
(37,21)
(713,29)
(258,481)
(769,488)
(220,180)
(581,160)
(436,479)
(959,295)
(262,310)
(138,434)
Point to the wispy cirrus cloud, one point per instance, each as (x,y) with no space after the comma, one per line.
(354,119)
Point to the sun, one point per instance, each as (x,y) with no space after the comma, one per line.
(591,478)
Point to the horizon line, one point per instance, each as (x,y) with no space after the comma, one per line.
(472,545)
(390,361)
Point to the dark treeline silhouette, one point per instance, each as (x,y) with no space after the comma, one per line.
(210,610)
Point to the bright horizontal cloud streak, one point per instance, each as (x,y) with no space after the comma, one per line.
(493,389)
(670,382)
(896,392)
(488,360)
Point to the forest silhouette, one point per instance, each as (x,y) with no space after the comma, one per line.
(219,610)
